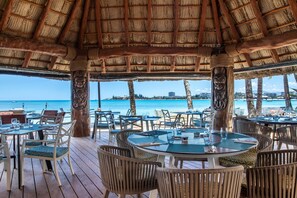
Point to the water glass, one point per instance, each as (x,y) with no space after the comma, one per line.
(223,133)
(170,138)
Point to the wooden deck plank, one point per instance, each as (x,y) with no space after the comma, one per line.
(42,190)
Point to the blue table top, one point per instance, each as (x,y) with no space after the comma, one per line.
(234,143)
(274,120)
(7,130)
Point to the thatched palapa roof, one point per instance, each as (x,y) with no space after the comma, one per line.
(147,39)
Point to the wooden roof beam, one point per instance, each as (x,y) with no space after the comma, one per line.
(83,25)
(173,63)
(149,22)
(69,21)
(151,51)
(234,34)
(149,33)
(293,5)
(38,30)
(216,21)
(175,32)
(126,14)
(128,64)
(201,31)
(266,43)
(29,45)
(65,30)
(103,67)
(149,64)
(263,27)
(229,20)
(98,24)
(5,15)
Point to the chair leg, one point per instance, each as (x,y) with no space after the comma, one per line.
(8,174)
(70,164)
(106,193)
(203,164)
(56,173)
(22,165)
(43,165)
(279,145)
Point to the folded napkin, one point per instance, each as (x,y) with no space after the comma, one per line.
(245,141)
(150,144)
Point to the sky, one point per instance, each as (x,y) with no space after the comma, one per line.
(33,88)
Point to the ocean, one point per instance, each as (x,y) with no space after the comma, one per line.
(143,107)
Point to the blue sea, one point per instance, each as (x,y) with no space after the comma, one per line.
(143,107)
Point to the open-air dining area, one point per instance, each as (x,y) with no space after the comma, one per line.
(115,147)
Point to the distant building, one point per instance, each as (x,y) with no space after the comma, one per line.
(171,94)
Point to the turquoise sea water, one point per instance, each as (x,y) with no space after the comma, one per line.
(144,107)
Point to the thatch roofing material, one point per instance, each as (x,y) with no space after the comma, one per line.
(104,24)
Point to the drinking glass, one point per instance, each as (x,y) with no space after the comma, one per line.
(223,133)
(170,137)
(13,121)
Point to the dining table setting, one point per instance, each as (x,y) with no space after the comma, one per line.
(196,143)
(16,130)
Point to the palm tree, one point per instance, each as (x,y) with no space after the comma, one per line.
(249,98)
(259,96)
(188,94)
(287,93)
(132,97)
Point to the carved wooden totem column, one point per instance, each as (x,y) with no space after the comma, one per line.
(80,97)
(222,89)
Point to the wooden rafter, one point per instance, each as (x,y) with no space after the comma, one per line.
(38,30)
(149,64)
(149,33)
(216,21)
(126,13)
(65,30)
(201,31)
(98,24)
(229,20)
(149,22)
(83,25)
(5,15)
(202,22)
(128,63)
(173,64)
(293,5)
(69,21)
(234,33)
(263,27)
(126,16)
(103,67)
(175,32)
(176,22)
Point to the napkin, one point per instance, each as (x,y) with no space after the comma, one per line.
(245,141)
(150,144)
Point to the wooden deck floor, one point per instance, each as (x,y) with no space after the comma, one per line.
(85,183)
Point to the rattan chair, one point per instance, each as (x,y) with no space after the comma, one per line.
(246,126)
(274,175)
(124,175)
(122,141)
(287,135)
(199,183)
(248,159)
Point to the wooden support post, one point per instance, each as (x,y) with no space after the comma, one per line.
(80,97)
(99,95)
(222,89)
